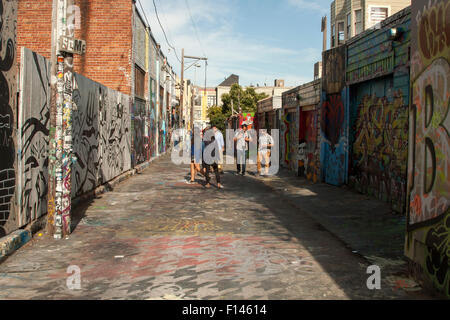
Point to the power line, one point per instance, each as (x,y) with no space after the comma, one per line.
(164,32)
(195,28)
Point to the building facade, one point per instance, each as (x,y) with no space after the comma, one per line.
(351,17)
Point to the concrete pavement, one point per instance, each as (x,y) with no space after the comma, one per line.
(156,237)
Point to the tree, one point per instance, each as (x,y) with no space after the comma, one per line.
(245,99)
(237,97)
(217,117)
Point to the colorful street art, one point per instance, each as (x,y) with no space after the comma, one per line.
(332,121)
(334,133)
(152,120)
(288,150)
(248,118)
(428,238)
(334,118)
(379,148)
(308,155)
(161,123)
(8,89)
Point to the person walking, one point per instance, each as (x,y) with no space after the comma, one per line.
(242,139)
(221,145)
(265,144)
(212,161)
(196,153)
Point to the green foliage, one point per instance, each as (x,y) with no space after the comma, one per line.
(245,99)
(217,117)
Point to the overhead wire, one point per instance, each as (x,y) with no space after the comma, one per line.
(160,24)
(195,28)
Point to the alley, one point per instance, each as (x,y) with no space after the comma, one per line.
(156,237)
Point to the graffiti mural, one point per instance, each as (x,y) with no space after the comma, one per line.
(161,123)
(334,148)
(288,151)
(102,137)
(308,155)
(34,124)
(333,120)
(152,121)
(380,149)
(8,89)
(139,139)
(429,143)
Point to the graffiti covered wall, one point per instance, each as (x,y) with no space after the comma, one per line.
(8,105)
(138,129)
(308,153)
(101,135)
(33,136)
(334,118)
(378,75)
(152,120)
(428,228)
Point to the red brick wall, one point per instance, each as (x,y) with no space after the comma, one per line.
(105,25)
(34,26)
(107,28)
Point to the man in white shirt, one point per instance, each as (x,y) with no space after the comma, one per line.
(221,144)
(264,146)
(242,139)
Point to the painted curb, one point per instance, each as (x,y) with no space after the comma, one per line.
(13,241)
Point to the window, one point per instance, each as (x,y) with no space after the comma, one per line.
(139,82)
(341,35)
(211,101)
(349,26)
(333,35)
(377,14)
(358,21)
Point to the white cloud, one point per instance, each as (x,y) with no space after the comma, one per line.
(228,51)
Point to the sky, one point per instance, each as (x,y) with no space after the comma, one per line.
(259,40)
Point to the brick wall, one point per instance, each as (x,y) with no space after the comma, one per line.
(105,25)
(34,26)
(107,28)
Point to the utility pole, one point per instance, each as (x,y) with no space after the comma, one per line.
(60,147)
(182,82)
(182,89)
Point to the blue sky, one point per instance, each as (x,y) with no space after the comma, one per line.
(258,40)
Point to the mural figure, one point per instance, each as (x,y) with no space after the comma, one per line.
(35,124)
(7,82)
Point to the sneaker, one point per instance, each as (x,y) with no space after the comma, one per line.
(220,186)
(190,182)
